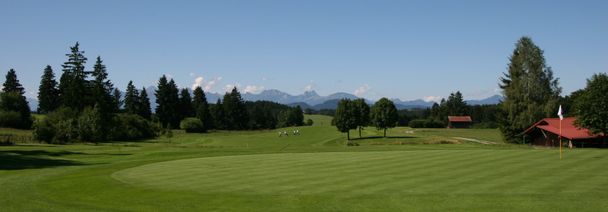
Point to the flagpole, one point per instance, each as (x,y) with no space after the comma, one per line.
(560,113)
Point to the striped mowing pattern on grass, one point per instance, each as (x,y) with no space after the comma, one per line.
(351,174)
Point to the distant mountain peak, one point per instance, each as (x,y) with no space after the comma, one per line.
(311,93)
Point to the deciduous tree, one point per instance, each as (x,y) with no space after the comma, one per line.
(592,105)
(345,117)
(384,114)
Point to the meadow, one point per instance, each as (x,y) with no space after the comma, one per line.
(411,170)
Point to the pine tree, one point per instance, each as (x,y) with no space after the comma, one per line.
(201,107)
(235,111)
(102,100)
(102,87)
(13,100)
(48,93)
(11,84)
(219,116)
(144,107)
(73,84)
(116,100)
(384,114)
(167,102)
(174,103)
(455,105)
(298,114)
(185,104)
(531,93)
(131,99)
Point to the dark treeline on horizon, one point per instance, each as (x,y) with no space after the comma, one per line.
(84,105)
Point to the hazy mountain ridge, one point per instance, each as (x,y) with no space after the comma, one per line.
(308,99)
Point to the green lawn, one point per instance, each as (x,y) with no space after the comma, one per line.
(412,170)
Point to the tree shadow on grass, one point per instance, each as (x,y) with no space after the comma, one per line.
(33,159)
(380,137)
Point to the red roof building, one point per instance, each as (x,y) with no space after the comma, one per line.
(546,133)
(459,121)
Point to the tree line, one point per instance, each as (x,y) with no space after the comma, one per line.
(85,106)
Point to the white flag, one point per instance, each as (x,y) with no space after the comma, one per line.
(559,113)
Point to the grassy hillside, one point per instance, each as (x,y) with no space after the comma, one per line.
(413,169)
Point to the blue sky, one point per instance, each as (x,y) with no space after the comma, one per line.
(397,49)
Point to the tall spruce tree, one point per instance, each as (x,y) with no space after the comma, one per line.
(531,93)
(13,100)
(48,93)
(167,102)
(144,107)
(101,88)
(11,84)
(384,114)
(131,99)
(235,111)
(185,104)
(73,85)
(455,105)
(162,101)
(219,116)
(201,108)
(116,100)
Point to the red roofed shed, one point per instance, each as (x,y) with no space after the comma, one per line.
(459,121)
(546,133)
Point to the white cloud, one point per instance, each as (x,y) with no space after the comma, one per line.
(229,87)
(198,82)
(191,74)
(253,89)
(362,90)
(209,85)
(309,87)
(432,98)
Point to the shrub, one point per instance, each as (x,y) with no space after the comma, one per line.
(433,124)
(132,127)
(192,125)
(90,125)
(15,102)
(309,122)
(10,119)
(65,131)
(44,131)
(65,125)
(58,126)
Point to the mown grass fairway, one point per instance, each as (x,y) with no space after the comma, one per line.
(427,169)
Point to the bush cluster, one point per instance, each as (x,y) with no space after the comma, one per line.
(192,125)
(66,125)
